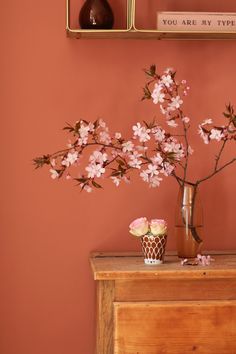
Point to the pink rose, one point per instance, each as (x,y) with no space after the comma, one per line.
(139,227)
(158,227)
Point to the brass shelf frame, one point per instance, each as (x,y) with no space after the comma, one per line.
(132,32)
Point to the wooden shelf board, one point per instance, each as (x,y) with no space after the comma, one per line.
(148,34)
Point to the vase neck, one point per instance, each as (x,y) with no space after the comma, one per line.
(188,193)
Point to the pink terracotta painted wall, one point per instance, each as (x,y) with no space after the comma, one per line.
(49,228)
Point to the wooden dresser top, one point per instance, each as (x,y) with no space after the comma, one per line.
(130,265)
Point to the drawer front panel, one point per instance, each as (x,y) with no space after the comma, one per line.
(175,327)
(175,289)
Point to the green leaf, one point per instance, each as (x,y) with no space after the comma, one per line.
(150,125)
(69,127)
(146,93)
(234,122)
(204,130)
(77,127)
(96,123)
(96,185)
(41,161)
(153,69)
(81,180)
(115,173)
(145,158)
(120,162)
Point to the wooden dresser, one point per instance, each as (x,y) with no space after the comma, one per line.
(164,309)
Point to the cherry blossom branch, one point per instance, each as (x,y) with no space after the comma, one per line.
(151,151)
(63,152)
(178,179)
(216,171)
(186,148)
(181,181)
(220,154)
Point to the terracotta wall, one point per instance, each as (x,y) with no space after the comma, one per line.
(49,228)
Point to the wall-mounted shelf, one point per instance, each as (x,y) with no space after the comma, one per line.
(132,32)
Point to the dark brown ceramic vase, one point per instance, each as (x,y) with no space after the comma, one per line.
(153,248)
(96,14)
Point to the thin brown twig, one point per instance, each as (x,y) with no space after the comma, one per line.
(216,171)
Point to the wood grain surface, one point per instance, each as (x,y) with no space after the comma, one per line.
(177,327)
(167,308)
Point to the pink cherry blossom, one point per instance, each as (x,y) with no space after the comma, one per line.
(152,170)
(116,180)
(105,137)
(162,109)
(159,134)
(54,173)
(172,123)
(216,134)
(176,102)
(203,135)
(168,70)
(117,136)
(69,144)
(157,159)
(84,130)
(154,181)
(127,146)
(141,132)
(204,260)
(101,123)
(186,119)
(88,189)
(190,150)
(70,159)
(173,146)
(95,170)
(166,80)
(141,148)
(206,121)
(135,162)
(137,129)
(144,136)
(167,169)
(98,156)
(126,179)
(157,95)
(83,141)
(151,176)
(144,175)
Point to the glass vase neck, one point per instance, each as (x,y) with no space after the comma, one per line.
(188,190)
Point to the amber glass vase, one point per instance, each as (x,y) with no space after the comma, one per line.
(96,14)
(189,222)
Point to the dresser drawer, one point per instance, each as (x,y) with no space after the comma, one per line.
(175,327)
